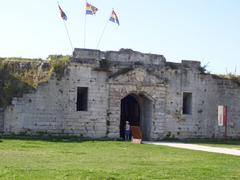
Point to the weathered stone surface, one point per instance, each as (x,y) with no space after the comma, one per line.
(157,85)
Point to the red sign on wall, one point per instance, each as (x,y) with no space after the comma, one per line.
(225,116)
(222,115)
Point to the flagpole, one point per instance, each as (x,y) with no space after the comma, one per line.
(104,29)
(85,20)
(65,25)
(68,34)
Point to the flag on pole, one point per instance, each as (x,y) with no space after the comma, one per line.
(114,18)
(63,15)
(90,9)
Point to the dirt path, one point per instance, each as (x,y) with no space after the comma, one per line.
(234,152)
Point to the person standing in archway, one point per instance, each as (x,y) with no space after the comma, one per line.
(127,131)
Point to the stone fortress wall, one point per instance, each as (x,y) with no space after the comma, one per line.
(157,85)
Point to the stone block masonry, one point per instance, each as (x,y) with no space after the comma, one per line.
(167,100)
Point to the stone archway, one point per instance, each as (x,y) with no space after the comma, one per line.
(137,109)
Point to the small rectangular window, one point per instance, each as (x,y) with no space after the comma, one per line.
(187,103)
(82,99)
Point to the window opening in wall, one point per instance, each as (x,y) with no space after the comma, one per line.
(82,99)
(187,103)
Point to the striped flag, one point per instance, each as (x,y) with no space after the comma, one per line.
(90,9)
(63,15)
(114,18)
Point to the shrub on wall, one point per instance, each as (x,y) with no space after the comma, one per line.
(58,64)
(19,75)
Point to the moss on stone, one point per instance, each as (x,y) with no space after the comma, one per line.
(59,64)
(231,77)
(19,75)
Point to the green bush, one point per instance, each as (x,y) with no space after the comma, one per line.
(19,75)
(58,64)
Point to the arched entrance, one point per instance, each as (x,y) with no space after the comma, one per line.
(137,110)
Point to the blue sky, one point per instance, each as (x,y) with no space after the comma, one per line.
(203,30)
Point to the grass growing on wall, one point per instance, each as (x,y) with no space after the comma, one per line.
(229,76)
(20,75)
(59,64)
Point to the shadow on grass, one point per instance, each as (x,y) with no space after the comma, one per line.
(228,141)
(77,139)
(58,139)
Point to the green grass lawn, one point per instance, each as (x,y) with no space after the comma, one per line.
(36,159)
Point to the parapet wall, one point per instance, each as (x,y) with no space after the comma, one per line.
(86,54)
(114,61)
(123,55)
